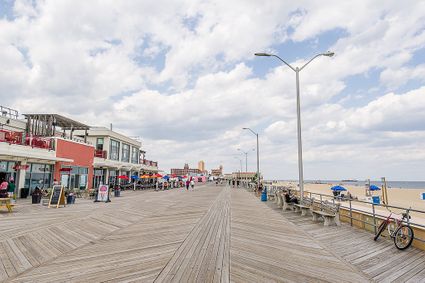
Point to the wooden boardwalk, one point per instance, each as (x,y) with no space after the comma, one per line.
(211,234)
(380,260)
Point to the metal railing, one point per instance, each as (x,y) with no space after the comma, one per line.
(18,138)
(347,204)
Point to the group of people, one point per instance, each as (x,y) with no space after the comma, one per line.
(174,184)
(7,189)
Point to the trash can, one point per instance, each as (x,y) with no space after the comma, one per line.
(264,196)
(24,192)
(70,199)
(376,200)
(36,198)
(117,193)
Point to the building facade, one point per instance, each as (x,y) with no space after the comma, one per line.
(43,148)
(185,171)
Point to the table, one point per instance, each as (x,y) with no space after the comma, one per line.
(5,202)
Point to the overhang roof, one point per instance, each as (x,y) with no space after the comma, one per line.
(60,121)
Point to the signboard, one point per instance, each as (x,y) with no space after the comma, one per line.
(422,196)
(57,197)
(103,193)
(20,167)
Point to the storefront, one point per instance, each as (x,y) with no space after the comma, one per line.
(113,175)
(38,175)
(7,171)
(99,177)
(74,177)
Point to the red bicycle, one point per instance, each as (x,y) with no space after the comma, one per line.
(402,234)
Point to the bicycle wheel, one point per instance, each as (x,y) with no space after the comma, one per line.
(381,229)
(403,237)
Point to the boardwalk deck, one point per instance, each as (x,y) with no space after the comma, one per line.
(211,234)
(380,260)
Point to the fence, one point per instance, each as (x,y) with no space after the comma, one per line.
(367,215)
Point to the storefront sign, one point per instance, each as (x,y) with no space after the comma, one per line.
(103,194)
(20,167)
(58,197)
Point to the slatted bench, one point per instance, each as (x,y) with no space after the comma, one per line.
(326,210)
(304,206)
(287,205)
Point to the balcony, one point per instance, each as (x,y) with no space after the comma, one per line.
(100,153)
(12,137)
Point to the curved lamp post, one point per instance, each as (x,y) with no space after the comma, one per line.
(297,71)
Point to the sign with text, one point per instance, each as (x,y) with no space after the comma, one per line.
(102,193)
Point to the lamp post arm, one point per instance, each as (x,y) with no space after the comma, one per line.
(318,55)
(293,69)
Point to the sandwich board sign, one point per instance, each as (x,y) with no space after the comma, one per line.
(103,194)
(57,197)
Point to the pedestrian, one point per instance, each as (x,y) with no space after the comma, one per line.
(3,189)
(187,184)
(11,189)
(192,184)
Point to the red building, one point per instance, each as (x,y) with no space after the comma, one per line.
(185,171)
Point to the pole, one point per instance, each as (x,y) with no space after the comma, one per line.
(258,163)
(246,162)
(300,150)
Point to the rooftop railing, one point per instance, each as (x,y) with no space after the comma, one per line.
(9,112)
(100,153)
(149,162)
(18,138)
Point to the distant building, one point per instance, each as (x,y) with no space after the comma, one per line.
(201,165)
(185,171)
(217,172)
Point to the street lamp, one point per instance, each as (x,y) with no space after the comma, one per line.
(246,164)
(297,72)
(258,157)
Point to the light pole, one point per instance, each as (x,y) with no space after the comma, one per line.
(246,164)
(297,78)
(258,157)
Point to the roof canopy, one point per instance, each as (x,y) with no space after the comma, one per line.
(59,120)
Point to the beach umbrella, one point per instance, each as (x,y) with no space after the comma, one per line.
(125,177)
(157,175)
(166,177)
(374,188)
(135,177)
(145,176)
(338,189)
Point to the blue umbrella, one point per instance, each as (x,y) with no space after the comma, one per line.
(374,188)
(135,177)
(166,177)
(338,189)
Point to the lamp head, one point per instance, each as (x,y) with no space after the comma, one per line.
(328,54)
(244,128)
(262,54)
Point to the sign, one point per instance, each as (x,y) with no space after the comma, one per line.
(58,197)
(103,193)
(20,167)
(422,196)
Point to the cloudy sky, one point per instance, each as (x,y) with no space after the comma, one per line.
(182,75)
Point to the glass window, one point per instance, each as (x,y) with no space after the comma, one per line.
(114,152)
(83,182)
(84,170)
(37,168)
(99,144)
(10,166)
(134,155)
(3,166)
(125,153)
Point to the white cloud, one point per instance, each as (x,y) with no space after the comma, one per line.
(181,75)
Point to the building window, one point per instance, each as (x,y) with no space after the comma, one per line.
(125,153)
(38,175)
(134,155)
(76,178)
(99,144)
(114,151)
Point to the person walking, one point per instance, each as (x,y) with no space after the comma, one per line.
(192,184)
(11,189)
(187,184)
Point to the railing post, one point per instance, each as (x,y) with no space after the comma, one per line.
(351,213)
(408,216)
(374,217)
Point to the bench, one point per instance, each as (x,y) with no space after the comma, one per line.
(5,203)
(287,205)
(326,210)
(304,206)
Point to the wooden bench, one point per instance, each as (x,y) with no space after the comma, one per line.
(5,203)
(328,211)
(304,206)
(287,205)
